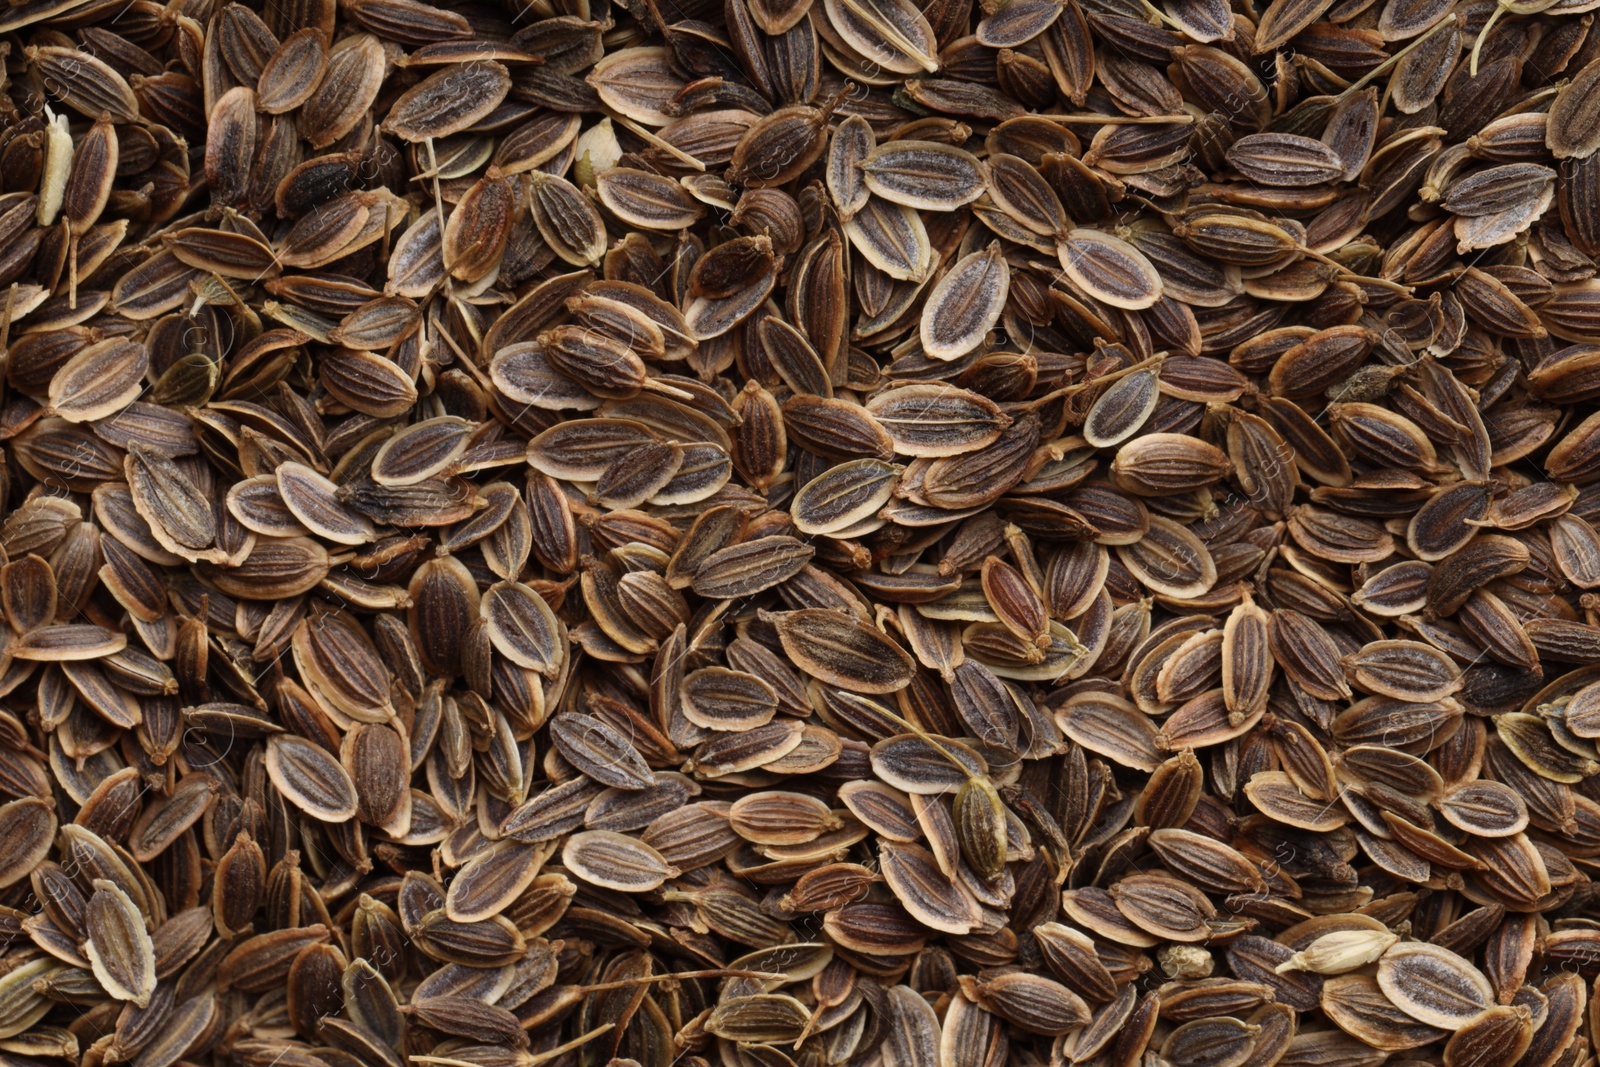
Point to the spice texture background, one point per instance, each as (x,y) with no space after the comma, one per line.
(799,533)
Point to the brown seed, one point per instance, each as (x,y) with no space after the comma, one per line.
(600,751)
(1183,600)
(1161,463)
(162,822)
(118,946)
(553,811)
(923,174)
(476,233)
(311,779)
(232,255)
(1433,985)
(490,942)
(99,381)
(1285,159)
(1032,1002)
(1360,1008)
(1207,862)
(843,652)
(294,72)
(421,451)
(87,83)
(1403,670)
(1276,795)
(1283,19)
(615,861)
(746,569)
(1171,560)
(716,698)
(1163,908)
(893,238)
(1113,728)
(1498,1036)
(763,1017)
(965,304)
(314,500)
(492,881)
(1120,411)
(231,137)
(448,101)
(1109,269)
(1219,1040)
(570,225)
(925,767)
(776,147)
(649,201)
(30,824)
(1487,809)
(66,642)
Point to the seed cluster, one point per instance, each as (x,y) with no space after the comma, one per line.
(799,533)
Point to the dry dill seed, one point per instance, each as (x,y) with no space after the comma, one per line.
(944,530)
